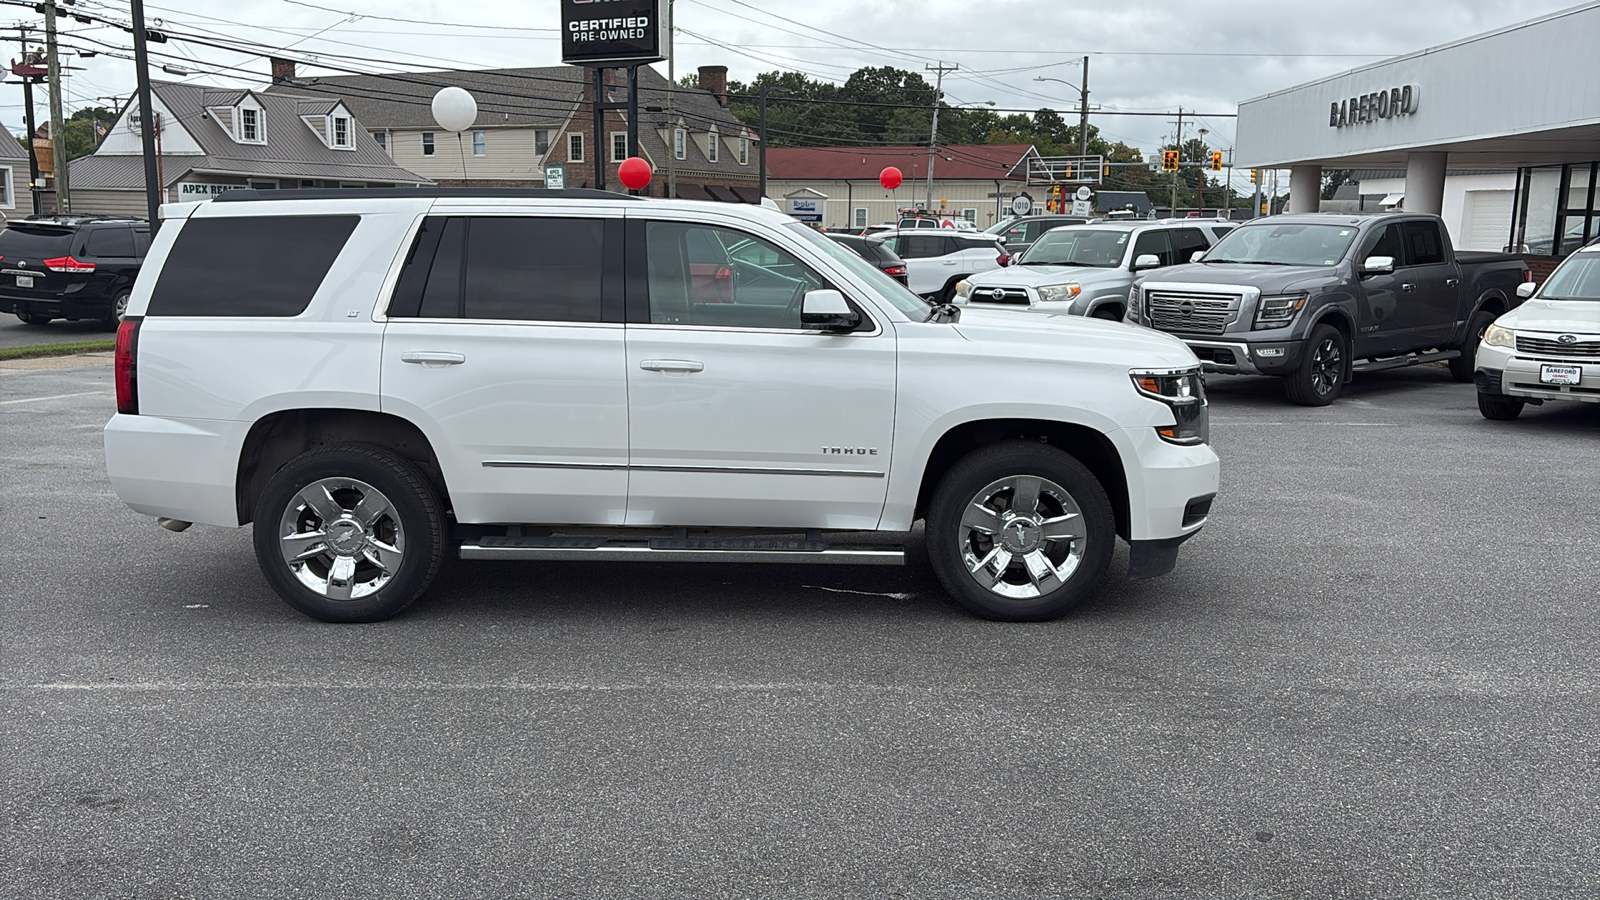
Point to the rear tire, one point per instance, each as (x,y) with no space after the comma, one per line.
(1500,407)
(32,319)
(349,533)
(119,308)
(1323,372)
(1020,532)
(1463,367)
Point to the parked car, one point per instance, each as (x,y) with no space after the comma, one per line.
(537,375)
(875,252)
(1304,297)
(1020,232)
(1087,270)
(936,261)
(70,267)
(1548,348)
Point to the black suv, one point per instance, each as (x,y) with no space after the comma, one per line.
(70,267)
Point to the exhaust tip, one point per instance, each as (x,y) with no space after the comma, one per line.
(174,525)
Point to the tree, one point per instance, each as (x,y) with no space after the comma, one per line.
(1332,180)
(78,131)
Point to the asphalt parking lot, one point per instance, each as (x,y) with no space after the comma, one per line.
(15,334)
(1373,675)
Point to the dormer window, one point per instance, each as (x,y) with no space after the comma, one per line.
(249,124)
(341,131)
(711,146)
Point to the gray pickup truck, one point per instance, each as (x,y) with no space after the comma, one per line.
(1315,298)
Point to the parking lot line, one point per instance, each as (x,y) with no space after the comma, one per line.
(51,397)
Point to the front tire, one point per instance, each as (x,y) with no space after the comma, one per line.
(1500,407)
(1323,372)
(1020,532)
(1463,367)
(349,533)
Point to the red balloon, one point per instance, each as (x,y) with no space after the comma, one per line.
(890,178)
(634,173)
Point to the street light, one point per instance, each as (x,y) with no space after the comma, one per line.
(1083,105)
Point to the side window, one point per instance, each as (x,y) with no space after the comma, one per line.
(235,265)
(1187,241)
(1220,230)
(974,244)
(703,275)
(441,293)
(111,241)
(1383,242)
(1023,231)
(1423,242)
(141,242)
(1156,242)
(920,246)
(534,268)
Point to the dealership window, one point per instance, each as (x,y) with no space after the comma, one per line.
(427,143)
(1557,209)
(859,217)
(480,144)
(541,141)
(619,146)
(574,148)
(678,143)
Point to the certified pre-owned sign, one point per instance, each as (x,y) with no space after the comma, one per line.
(612,32)
(1396,101)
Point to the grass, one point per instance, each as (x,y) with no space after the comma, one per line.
(68,349)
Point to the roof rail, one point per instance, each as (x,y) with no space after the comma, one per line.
(249,194)
(61,218)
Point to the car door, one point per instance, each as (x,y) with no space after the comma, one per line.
(505,344)
(115,256)
(1186,242)
(1154,241)
(1431,287)
(1382,330)
(925,263)
(739,416)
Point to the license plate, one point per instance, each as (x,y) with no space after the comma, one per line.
(24,281)
(1560,374)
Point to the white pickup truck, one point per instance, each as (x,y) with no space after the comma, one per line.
(377,378)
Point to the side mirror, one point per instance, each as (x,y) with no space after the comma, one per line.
(827,310)
(1378,265)
(1146,261)
(1526,289)
(1197,256)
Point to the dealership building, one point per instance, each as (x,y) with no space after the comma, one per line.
(1523,100)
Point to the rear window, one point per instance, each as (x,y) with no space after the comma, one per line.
(249,265)
(35,243)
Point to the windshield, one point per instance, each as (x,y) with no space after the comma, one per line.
(895,293)
(1099,248)
(1000,227)
(1284,245)
(1577,279)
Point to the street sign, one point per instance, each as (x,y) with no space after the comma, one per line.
(555,178)
(613,33)
(1083,193)
(1022,204)
(1080,207)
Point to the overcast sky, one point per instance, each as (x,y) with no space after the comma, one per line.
(1144,55)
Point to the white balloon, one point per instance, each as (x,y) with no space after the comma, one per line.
(454,109)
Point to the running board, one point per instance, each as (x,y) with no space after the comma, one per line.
(735,550)
(1400,362)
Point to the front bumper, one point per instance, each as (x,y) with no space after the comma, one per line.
(1501,371)
(1243,358)
(1170,486)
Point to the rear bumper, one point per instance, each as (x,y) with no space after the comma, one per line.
(178,468)
(70,306)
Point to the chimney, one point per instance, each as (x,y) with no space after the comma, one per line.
(282,71)
(715,80)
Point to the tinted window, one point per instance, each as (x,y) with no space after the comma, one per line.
(441,294)
(1384,242)
(1422,240)
(1155,242)
(111,241)
(545,269)
(248,265)
(35,243)
(964,243)
(748,283)
(1187,241)
(141,241)
(920,246)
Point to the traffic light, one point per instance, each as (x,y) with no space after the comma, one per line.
(1253,176)
(1169,160)
(1106,172)
(1216,160)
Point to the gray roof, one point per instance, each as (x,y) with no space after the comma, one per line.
(291,150)
(10,147)
(544,95)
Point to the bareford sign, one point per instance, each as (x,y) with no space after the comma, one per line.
(611,32)
(1396,101)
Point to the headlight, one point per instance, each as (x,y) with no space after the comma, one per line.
(1185,392)
(1277,310)
(963,289)
(1500,337)
(1135,305)
(1055,293)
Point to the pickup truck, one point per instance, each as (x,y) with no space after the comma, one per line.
(1314,298)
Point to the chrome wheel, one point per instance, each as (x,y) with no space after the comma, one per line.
(1327,366)
(1022,537)
(341,538)
(119,307)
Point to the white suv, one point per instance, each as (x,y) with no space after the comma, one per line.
(377,378)
(938,259)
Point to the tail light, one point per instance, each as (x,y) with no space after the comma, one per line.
(67,264)
(1003,259)
(127,368)
(895,270)
(1527,274)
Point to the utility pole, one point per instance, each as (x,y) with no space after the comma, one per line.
(58,144)
(153,188)
(933,135)
(28,71)
(1083,112)
(672,88)
(762,162)
(1172,209)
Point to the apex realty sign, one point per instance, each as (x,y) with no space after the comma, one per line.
(611,32)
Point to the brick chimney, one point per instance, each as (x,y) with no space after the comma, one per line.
(282,71)
(715,80)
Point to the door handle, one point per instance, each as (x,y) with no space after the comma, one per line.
(1408,287)
(951,262)
(433,359)
(1451,282)
(671,365)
